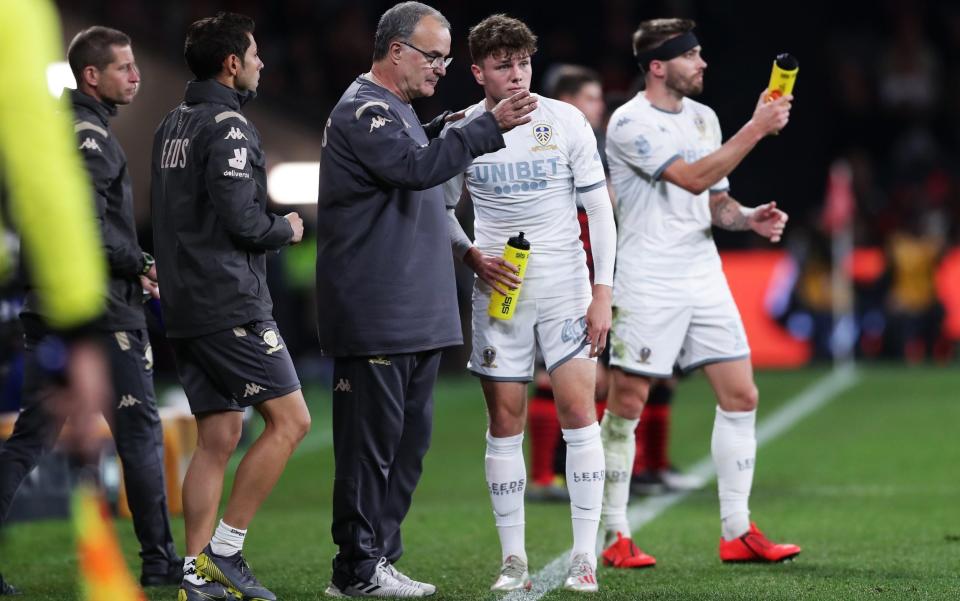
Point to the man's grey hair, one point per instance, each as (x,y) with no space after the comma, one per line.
(399,22)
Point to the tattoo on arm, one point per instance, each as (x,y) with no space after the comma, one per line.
(727,214)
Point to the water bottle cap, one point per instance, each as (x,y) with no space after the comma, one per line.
(519,242)
(787,62)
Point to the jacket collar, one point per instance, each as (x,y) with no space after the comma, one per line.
(211,90)
(103,110)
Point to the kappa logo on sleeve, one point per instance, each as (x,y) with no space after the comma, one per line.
(377,122)
(239,160)
(235,134)
(90,144)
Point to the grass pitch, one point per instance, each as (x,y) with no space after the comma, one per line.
(869,486)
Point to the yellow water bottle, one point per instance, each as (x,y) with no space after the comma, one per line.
(783,76)
(517,251)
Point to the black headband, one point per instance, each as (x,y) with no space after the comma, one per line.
(672,48)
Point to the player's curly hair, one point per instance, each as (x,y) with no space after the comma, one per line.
(500,34)
(654,32)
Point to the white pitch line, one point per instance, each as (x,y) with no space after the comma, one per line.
(813,398)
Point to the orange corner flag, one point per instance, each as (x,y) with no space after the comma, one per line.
(103,572)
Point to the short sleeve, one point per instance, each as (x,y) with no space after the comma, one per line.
(724,184)
(642,144)
(584,154)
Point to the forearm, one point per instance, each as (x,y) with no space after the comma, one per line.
(241,216)
(399,162)
(728,214)
(124,261)
(459,241)
(698,176)
(124,256)
(603,293)
(603,234)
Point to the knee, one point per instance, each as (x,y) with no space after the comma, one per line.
(577,415)
(299,426)
(292,428)
(742,399)
(506,421)
(629,397)
(222,443)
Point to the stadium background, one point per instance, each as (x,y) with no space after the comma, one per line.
(875,89)
(878,88)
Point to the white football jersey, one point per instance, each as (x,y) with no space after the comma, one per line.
(665,242)
(531,187)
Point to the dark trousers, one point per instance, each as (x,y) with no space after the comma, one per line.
(382,421)
(136,430)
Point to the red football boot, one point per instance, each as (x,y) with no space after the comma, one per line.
(755,547)
(625,554)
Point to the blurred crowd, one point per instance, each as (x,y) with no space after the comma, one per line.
(894,118)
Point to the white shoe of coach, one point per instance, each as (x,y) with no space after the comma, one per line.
(381,584)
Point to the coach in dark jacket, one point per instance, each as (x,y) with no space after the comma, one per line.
(213,213)
(212,231)
(103,64)
(385,286)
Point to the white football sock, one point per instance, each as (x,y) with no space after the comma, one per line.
(734,450)
(506,481)
(619,448)
(227,540)
(585,476)
(190,571)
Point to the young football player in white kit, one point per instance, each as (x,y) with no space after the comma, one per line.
(531,186)
(672,303)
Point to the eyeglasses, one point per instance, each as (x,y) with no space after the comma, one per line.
(434,61)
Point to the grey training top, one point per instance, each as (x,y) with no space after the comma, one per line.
(385,282)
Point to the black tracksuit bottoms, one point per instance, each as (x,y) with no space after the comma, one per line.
(137,431)
(382,421)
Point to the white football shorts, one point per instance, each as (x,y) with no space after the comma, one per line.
(649,339)
(505,350)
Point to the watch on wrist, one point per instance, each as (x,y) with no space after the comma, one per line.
(146,262)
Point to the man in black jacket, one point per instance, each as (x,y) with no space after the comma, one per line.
(107,76)
(212,233)
(385,286)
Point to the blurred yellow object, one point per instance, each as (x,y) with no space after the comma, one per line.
(104,575)
(50,195)
(913,264)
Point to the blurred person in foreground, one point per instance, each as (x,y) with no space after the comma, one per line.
(212,231)
(386,292)
(672,304)
(50,203)
(532,186)
(107,77)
